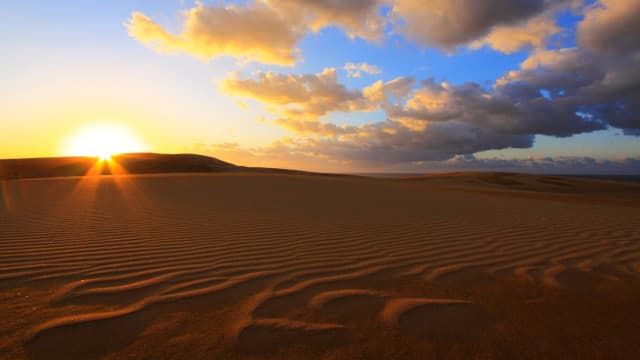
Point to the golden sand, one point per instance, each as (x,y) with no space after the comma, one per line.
(301,266)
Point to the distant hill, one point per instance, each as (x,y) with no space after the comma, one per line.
(138,163)
(134,163)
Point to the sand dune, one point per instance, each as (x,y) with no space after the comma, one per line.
(133,163)
(249,265)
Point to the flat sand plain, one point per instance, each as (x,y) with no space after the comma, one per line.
(459,266)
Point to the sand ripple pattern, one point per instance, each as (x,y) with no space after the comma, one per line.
(265,248)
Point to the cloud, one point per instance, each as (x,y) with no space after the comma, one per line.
(253,32)
(547,165)
(511,108)
(508,39)
(265,31)
(603,89)
(313,96)
(448,24)
(391,142)
(308,96)
(559,93)
(611,27)
(356,70)
(315,127)
(555,92)
(290,153)
(358,18)
(268,31)
(305,99)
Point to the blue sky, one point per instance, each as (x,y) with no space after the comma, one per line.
(74,63)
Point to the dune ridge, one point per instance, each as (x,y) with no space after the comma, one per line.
(128,163)
(295,266)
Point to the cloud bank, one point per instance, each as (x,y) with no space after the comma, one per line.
(556,92)
(268,31)
(282,154)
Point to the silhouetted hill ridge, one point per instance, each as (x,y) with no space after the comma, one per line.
(135,163)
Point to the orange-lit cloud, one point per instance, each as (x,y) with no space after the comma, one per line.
(253,32)
(300,102)
(611,27)
(265,31)
(358,18)
(384,92)
(508,39)
(268,31)
(308,96)
(315,127)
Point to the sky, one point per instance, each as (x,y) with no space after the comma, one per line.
(548,86)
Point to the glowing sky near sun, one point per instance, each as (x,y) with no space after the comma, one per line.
(367,85)
(103,141)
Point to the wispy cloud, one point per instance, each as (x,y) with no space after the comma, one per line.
(356,70)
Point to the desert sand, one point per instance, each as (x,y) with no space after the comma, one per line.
(253,265)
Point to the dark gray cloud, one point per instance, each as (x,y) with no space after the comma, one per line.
(390,143)
(603,89)
(512,108)
(447,24)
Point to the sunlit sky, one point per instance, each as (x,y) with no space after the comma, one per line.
(352,86)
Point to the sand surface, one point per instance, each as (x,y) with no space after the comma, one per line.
(487,266)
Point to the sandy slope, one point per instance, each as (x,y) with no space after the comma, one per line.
(295,266)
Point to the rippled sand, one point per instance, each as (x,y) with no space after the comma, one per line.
(301,266)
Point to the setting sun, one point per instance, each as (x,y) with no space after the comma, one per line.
(103,142)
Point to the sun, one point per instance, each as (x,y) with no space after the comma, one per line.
(103,141)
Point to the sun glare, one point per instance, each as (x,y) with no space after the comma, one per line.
(103,142)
